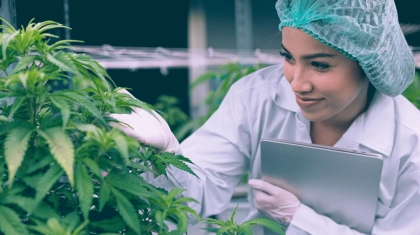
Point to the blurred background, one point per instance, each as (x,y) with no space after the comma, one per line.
(180,56)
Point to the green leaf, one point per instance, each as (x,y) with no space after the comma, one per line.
(131,183)
(84,186)
(115,224)
(79,228)
(64,107)
(10,223)
(233,214)
(46,182)
(81,99)
(121,146)
(93,166)
(182,223)
(7,38)
(270,224)
(25,62)
(201,79)
(222,230)
(55,226)
(186,199)
(214,221)
(45,211)
(173,193)
(246,229)
(61,60)
(142,167)
(104,193)
(16,144)
(61,147)
(62,42)
(174,161)
(16,105)
(127,211)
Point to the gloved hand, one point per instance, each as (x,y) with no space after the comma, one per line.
(276,202)
(147,129)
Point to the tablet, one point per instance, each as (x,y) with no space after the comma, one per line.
(338,183)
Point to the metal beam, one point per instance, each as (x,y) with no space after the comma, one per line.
(8,11)
(243,20)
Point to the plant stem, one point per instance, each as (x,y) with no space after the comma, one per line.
(32,110)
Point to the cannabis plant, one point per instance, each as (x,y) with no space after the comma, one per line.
(64,170)
(229,227)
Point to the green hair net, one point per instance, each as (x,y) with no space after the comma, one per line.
(366,31)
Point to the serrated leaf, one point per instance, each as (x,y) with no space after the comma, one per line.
(186,209)
(246,229)
(11,224)
(62,149)
(80,228)
(186,199)
(16,144)
(270,224)
(45,211)
(140,166)
(64,107)
(182,223)
(115,224)
(25,62)
(222,230)
(172,160)
(72,219)
(214,221)
(6,39)
(16,105)
(21,201)
(212,230)
(93,166)
(84,186)
(131,183)
(61,60)
(173,193)
(233,214)
(46,182)
(83,101)
(121,146)
(104,193)
(55,226)
(127,211)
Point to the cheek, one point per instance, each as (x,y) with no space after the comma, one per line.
(288,72)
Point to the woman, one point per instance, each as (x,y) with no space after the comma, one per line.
(346,62)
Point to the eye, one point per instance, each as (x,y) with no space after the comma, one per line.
(287,56)
(320,66)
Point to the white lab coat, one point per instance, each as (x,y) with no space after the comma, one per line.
(262,105)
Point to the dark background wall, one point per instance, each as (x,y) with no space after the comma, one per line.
(129,23)
(150,23)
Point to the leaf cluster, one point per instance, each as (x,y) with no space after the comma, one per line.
(64,170)
(229,227)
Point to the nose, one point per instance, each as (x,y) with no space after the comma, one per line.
(300,81)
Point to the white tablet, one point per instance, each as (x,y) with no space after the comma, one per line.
(338,183)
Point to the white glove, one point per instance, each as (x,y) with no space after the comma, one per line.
(147,129)
(274,201)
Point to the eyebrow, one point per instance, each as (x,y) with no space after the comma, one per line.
(311,56)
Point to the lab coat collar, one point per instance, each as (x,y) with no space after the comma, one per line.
(378,130)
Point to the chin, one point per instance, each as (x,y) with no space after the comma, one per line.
(315,117)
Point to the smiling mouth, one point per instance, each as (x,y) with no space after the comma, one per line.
(307,102)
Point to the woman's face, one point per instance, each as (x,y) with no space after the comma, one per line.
(328,86)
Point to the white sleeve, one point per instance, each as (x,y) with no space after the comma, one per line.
(402,218)
(220,149)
